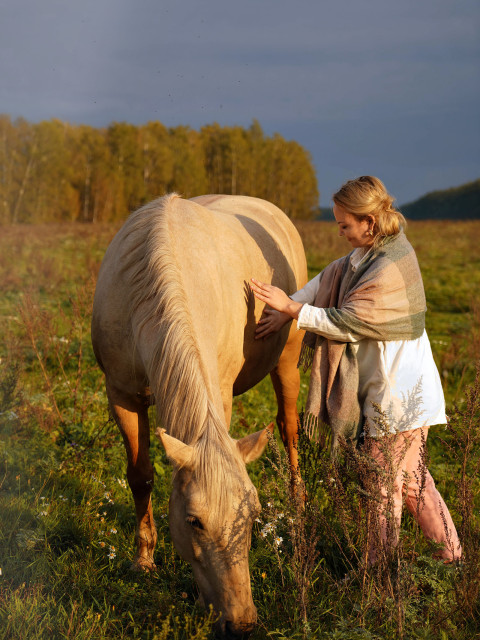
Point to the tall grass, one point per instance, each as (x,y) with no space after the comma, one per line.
(67,526)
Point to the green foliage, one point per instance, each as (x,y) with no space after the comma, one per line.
(458,203)
(54,171)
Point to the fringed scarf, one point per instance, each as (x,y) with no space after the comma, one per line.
(383,299)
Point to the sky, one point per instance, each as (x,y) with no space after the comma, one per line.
(383,87)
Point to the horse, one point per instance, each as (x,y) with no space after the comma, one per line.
(173,324)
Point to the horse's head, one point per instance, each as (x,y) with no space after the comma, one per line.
(211,525)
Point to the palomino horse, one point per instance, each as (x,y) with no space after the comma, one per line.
(173,323)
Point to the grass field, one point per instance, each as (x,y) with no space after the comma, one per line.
(67,518)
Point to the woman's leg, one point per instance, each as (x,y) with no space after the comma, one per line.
(401,457)
(389,453)
(425,503)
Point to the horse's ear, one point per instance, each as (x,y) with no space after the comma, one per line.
(251,447)
(179,453)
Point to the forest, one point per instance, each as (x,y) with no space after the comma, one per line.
(54,171)
(457,203)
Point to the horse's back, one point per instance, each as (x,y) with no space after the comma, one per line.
(267,228)
(217,243)
(251,238)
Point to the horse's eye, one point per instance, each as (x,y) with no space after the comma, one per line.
(194,522)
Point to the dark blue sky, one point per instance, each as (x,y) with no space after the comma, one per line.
(367,86)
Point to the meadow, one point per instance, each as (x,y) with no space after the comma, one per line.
(67,517)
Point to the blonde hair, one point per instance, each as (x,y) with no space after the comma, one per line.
(367,196)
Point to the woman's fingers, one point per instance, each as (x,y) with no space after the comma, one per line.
(273,296)
(263,332)
(260,289)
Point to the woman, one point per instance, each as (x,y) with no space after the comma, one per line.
(372,366)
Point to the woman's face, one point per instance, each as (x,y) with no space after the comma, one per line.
(356,231)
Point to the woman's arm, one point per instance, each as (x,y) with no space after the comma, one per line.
(309,292)
(315,319)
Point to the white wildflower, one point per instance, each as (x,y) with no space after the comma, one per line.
(266,529)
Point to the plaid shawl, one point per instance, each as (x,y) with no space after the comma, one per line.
(383,299)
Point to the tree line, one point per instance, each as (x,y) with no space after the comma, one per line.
(457,203)
(55,171)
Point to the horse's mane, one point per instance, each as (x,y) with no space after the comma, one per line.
(175,369)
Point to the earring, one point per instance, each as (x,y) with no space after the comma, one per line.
(370,232)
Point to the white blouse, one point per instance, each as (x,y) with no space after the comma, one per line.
(398,375)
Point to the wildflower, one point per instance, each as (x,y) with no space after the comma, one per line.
(266,529)
(102,519)
(184,595)
(278,540)
(269,504)
(264,575)
(258,520)
(102,544)
(104,513)
(122,483)
(44,513)
(112,548)
(112,555)
(280,516)
(113,530)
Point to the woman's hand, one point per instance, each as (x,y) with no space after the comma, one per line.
(275,298)
(270,322)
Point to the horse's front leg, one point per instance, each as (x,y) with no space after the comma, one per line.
(131,416)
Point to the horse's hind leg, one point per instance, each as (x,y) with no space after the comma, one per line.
(131,416)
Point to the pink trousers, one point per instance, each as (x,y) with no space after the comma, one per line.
(424,502)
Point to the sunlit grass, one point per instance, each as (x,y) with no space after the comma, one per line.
(67,525)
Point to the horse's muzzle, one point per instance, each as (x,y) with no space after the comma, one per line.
(234,631)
